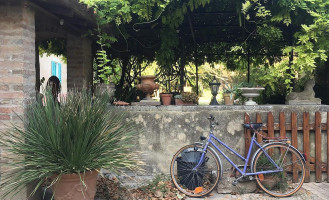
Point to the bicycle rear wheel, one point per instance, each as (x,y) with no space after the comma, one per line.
(199,182)
(286,182)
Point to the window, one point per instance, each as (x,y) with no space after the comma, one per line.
(56,70)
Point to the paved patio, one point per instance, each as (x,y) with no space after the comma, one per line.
(316,191)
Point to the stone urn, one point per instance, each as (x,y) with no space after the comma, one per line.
(147,86)
(251,93)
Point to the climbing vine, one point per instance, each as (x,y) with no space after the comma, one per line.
(285,38)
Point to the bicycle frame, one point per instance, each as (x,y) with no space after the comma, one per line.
(246,160)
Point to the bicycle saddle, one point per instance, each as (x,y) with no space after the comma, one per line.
(254,126)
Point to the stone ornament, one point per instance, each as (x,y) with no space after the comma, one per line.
(251,93)
(147,86)
(305,97)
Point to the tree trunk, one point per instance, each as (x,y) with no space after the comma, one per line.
(37,68)
(182,68)
(125,62)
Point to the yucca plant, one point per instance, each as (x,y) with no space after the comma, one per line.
(79,134)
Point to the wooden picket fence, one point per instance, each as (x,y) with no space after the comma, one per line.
(314,164)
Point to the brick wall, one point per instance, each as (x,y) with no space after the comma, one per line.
(17,60)
(79,62)
(17,63)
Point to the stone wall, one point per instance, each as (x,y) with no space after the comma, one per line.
(17,64)
(165,129)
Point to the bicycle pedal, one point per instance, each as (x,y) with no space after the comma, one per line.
(235,182)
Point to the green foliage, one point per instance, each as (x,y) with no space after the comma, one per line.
(56,46)
(275,31)
(80,134)
(190,97)
(231,88)
(311,20)
(166,56)
(178,96)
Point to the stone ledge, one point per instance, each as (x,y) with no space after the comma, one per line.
(276,107)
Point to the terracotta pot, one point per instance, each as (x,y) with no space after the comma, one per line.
(69,186)
(178,102)
(188,103)
(166,98)
(228,100)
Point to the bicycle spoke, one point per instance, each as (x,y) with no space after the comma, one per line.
(198,182)
(286,182)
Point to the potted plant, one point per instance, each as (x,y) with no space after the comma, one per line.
(178,99)
(166,97)
(189,98)
(68,143)
(229,92)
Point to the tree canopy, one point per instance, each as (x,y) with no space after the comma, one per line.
(281,39)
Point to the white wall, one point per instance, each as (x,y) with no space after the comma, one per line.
(45,71)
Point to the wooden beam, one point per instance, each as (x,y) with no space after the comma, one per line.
(64,11)
(77,8)
(74,29)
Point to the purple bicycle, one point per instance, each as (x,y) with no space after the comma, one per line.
(277,166)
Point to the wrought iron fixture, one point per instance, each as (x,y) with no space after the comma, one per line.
(214,85)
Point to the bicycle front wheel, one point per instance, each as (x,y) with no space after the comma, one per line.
(284,183)
(199,182)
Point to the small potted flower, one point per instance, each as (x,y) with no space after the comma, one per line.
(178,99)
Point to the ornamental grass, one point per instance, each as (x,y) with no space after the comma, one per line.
(79,134)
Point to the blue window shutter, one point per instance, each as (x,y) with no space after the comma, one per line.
(59,75)
(53,68)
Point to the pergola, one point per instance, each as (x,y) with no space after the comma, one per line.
(207,33)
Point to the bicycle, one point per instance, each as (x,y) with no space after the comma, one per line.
(277,167)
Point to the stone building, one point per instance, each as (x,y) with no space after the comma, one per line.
(24,23)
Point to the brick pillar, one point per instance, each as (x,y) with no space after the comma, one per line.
(79,62)
(17,64)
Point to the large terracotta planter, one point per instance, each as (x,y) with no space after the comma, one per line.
(147,86)
(69,187)
(166,99)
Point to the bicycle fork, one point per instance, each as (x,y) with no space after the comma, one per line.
(204,151)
